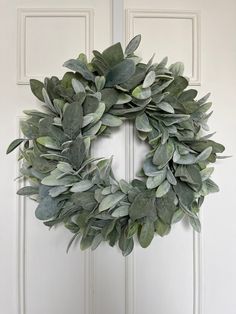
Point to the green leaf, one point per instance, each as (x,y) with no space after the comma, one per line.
(142,123)
(120,73)
(110,201)
(77,86)
(166,206)
(191,175)
(113,54)
(133,45)
(14,144)
(28,190)
(177,86)
(121,211)
(141,93)
(206,173)
(177,68)
(165,107)
(125,186)
(47,208)
(76,152)
(184,193)
(143,205)
(149,79)
(36,88)
(78,66)
(48,142)
(161,228)
(123,99)
(72,119)
(163,154)
(146,234)
(57,190)
(100,82)
(84,199)
(204,155)
(163,189)
(153,182)
(28,129)
(110,120)
(195,223)
(81,186)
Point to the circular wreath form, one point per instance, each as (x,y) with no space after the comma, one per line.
(81,191)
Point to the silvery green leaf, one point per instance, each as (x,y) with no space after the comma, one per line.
(204,99)
(78,66)
(206,173)
(77,86)
(76,153)
(110,201)
(88,118)
(72,119)
(177,68)
(99,112)
(187,159)
(187,95)
(184,192)
(149,79)
(47,100)
(170,177)
(120,73)
(162,228)
(65,167)
(143,205)
(123,99)
(133,45)
(36,88)
(96,241)
(146,234)
(142,123)
(195,223)
(141,93)
(165,107)
(208,187)
(113,55)
(48,142)
(142,135)
(28,190)
(81,186)
(52,179)
(57,190)
(178,215)
(14,144)
(149,168)
(153,182)
(191,175)
(29,130)
(93,130)
(125,186)
(110,120)
(157,88)
(47,208)
(177,85)
(163,189)
(106,190)
(163,154)
(204,155)
(171,119)
(100,82)
(121,211)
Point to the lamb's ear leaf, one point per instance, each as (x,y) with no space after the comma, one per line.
(36,88)
(113,54)
(72,119)
(28,190)
(146,234)
(133,45)
(14,144)
(120,73)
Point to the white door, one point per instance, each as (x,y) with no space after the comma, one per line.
(182,273)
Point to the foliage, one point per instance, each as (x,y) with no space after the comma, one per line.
(80,191)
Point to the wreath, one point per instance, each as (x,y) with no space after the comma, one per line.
(79,190)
